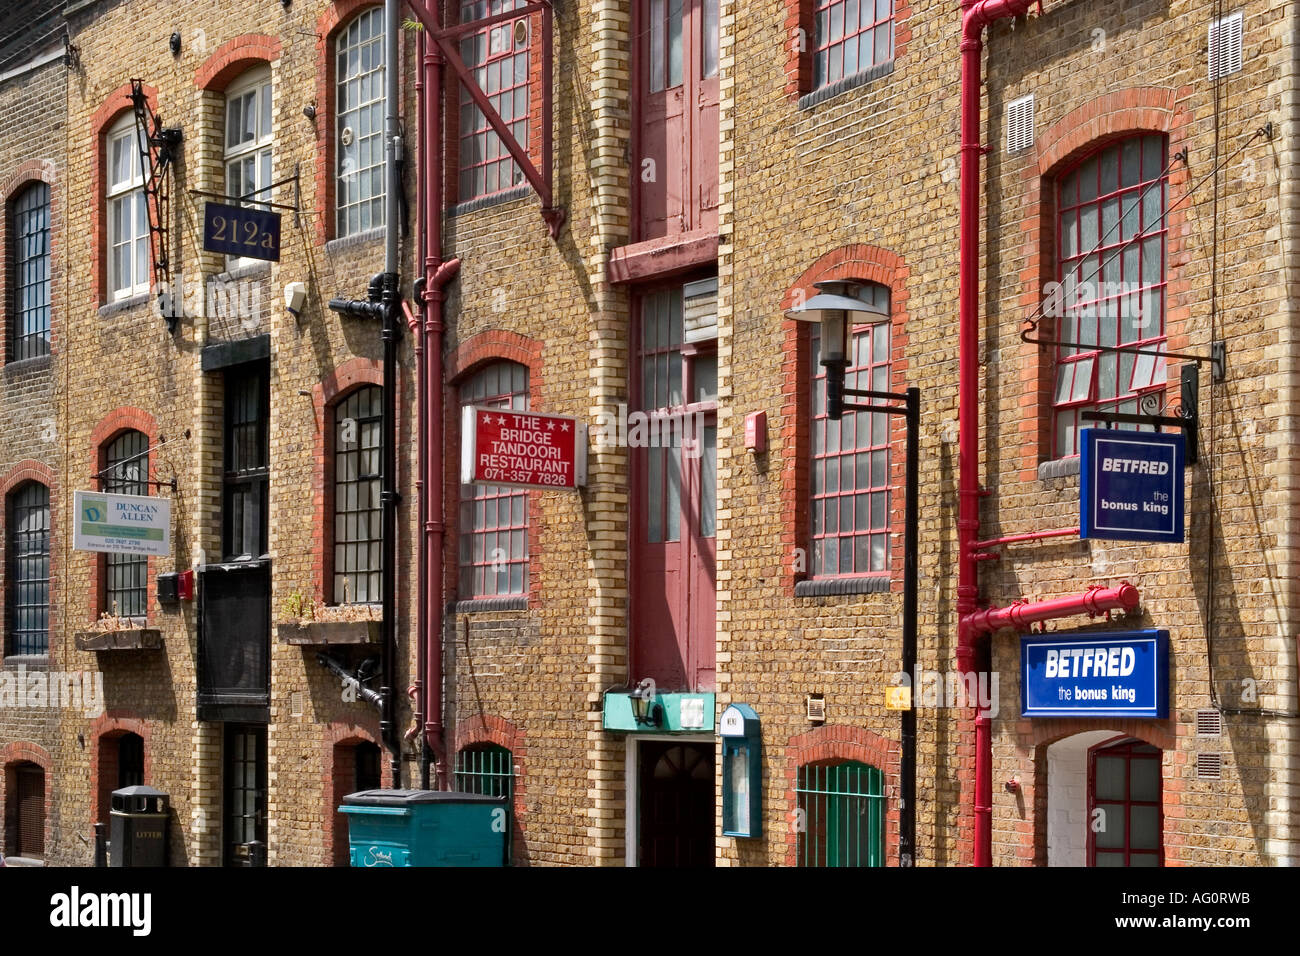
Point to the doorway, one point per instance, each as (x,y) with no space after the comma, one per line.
(675,803)
(244,795)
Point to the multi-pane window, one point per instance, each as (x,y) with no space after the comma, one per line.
(850,459)
(248,138)
(841,807)
(128,214)
(30,328)
(359,196)
(126,576)
(851,36)
(247,466)
(1111,235)
(494,518)
(1124,805)
(358,519)
(29,570)
(499,57)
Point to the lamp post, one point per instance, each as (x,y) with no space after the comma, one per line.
(837,307)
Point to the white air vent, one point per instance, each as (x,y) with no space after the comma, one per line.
(296,705)
(1209,766)
(1225,46)
(1020,123)
(1209,723)
(816,708)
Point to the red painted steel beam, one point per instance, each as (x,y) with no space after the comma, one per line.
(1020,614)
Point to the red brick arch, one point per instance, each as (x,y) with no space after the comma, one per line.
(862,262)
(234,57)
(114,105)
(493,729)
(1088,127)
(334,782)
(103,772)
(843,742)
(325,395)
(490,345)
(119,420)
(12,754)
(26,173)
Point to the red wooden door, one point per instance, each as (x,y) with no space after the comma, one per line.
(673,446)
(676,107)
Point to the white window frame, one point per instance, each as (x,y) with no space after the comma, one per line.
(257,84)
(123,193)
(350,143)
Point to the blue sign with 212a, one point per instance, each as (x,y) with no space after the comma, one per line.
(239,231)
(1112,674)
(1131,485)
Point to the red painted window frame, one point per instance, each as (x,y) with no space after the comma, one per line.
(818,423)
(1115,747)
(469,530)
(822,44)
(1067,327)
(517,120)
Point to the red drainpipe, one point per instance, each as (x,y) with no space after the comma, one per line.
(974,625)
(437,274)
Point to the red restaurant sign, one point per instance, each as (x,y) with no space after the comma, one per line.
(525,449)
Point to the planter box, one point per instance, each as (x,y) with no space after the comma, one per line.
(329,632)
(136,639)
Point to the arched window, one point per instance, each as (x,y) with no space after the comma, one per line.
(28,561)
(248,139)
(1125,819)
(849,518)
(30,267)
(1111,262)
(359,88)
(126,576)
(840,808)
(358,517)
(494,518)
(128,215)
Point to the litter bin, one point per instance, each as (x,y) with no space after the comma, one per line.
(138,827)
(426,828)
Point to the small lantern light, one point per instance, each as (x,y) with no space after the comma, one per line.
(645,708)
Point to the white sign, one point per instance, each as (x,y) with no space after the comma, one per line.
(692,713)
(122,524)
(732,722)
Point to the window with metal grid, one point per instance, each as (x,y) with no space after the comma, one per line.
(358,518)
(1111,242)
(494,518)
(1124,805)
(247,469)
(488,769)
(359,82)
(30,326)
(126,576)
(852,36)
(849,521)
(840,814)
(499,57)
(29,570)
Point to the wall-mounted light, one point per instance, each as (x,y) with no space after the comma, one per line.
(645,708)
(175,44)
(295,297)
(309,111)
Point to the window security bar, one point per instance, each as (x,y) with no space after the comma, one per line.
(171,483)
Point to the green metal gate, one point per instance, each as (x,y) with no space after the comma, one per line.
(841,815)
(490,770)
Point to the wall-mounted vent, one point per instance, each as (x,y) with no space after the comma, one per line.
(1020,124)
(816,707)
(296,704)
(1209,723)
(1209,766)
(1225,46)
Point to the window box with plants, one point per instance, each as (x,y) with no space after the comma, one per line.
(114,633)
(308,622)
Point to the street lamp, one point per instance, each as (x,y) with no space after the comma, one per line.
(645,708)
(838,307)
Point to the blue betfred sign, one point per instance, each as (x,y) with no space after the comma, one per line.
(1131,485)
(239,231)
(1124,674)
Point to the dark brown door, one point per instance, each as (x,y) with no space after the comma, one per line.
(31,812)
(245,795)
(676,805)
